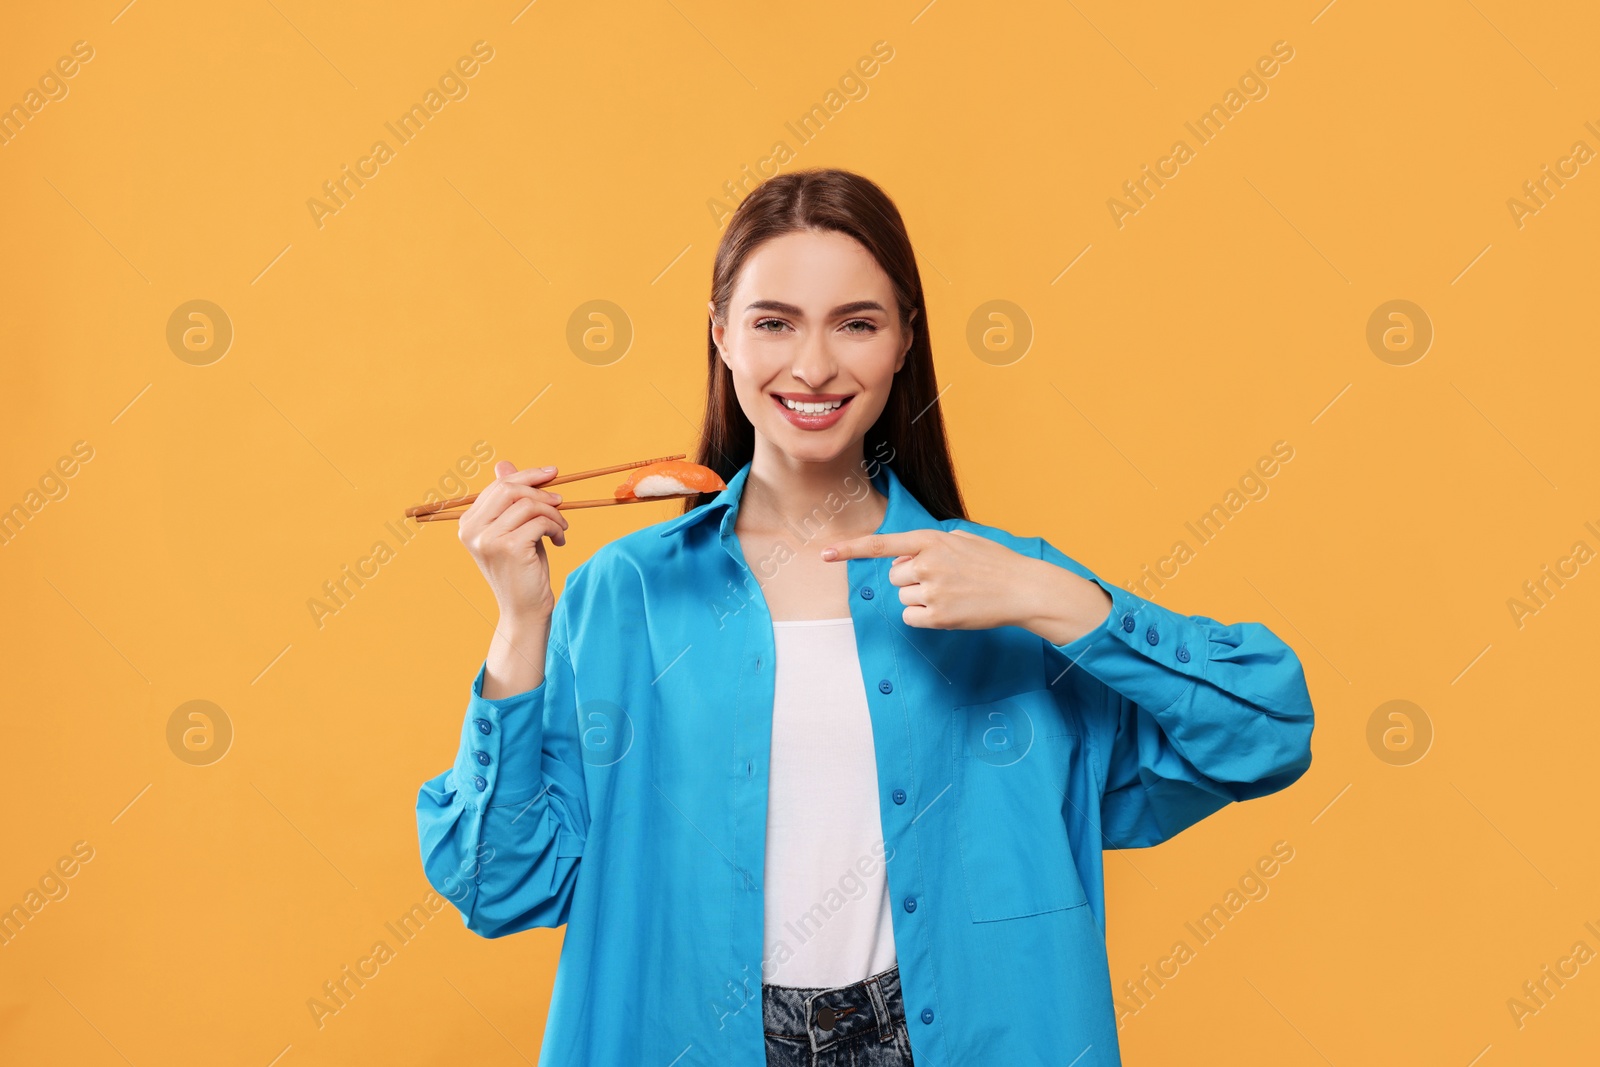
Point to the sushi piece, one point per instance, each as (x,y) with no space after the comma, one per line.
(669,478)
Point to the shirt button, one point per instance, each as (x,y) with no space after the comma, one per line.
(899,796)
(483,726)
(911,903)
(927,1015)
(1151,635)
(1183,654)
(480,781)
(886,686)
(1127,623)
(866,592)
(483,758)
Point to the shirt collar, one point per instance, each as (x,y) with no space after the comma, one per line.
(903,512)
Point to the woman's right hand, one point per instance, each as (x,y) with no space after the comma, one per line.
(504,529)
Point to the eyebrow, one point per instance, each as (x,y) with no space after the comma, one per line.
(842,310)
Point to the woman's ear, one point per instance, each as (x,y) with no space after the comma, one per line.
(911,336)
(717,331)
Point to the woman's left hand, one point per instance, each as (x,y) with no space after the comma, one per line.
(955,580)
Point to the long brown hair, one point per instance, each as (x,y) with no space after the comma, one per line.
(909,435)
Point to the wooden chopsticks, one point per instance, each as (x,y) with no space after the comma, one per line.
(438,510)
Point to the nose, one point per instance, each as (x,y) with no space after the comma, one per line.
(814,364)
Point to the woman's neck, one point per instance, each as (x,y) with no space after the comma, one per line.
(781,491)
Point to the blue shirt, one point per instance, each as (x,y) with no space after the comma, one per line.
(626,796)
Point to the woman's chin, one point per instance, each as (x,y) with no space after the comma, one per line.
(812,446)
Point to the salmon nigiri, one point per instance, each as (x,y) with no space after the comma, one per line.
(669,478)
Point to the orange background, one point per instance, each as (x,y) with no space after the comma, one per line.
(369,355)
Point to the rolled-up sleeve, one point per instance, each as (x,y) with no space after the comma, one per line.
(502,831)
(1193,713)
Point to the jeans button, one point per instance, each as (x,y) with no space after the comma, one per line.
(825,1018)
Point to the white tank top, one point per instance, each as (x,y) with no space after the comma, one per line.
(826,891)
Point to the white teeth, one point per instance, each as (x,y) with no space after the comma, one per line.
(810,409)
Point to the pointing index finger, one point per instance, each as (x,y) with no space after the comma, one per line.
(876,545)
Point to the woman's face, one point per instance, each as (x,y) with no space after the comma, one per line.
(813,340)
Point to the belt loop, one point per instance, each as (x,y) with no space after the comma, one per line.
(881,1007)
(808,1010)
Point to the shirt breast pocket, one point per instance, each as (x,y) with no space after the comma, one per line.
(1010,761)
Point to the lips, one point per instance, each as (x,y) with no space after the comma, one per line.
(814,419)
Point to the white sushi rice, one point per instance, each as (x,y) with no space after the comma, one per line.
(659,485)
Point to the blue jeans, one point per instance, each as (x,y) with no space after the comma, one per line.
(862,1024)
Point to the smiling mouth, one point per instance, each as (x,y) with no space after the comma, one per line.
(823,405)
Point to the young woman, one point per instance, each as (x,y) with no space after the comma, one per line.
(820,771)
